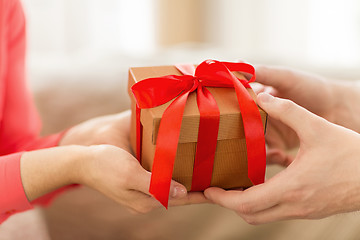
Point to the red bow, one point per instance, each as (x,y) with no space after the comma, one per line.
(153,92)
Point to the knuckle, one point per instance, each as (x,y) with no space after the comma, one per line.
(301,201)
(105,129)
(125,179)
(262,69)
(245,209)
(132,166)
(103,149)
(127,175)
(131,175)
(301,213)
(285,105)
(300,195)
(293,196)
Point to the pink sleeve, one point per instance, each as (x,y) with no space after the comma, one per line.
(19,122)
(46,142)
(13,198)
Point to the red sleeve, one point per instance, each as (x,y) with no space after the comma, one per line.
(13,198)
(46,142)
(19,122)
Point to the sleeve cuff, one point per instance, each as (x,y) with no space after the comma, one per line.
(11,187)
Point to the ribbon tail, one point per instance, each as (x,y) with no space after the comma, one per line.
(254,134)
(139,129)
(207,140)
(165,151)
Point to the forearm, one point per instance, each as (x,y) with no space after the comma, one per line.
(347,107)
(45,170)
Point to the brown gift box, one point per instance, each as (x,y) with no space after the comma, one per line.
(230,163)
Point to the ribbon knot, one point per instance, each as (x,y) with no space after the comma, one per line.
(196,82)
(153,92)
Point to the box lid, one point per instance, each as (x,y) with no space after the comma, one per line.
(231,124)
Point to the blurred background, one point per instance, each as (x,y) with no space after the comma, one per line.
(87,42)
(79,52)
(317,33)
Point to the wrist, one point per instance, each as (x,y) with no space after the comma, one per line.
(45,170)
(85,164)
(75,164)
(91,164)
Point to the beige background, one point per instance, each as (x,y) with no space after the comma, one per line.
(78,69)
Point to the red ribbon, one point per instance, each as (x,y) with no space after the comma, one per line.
(153,92)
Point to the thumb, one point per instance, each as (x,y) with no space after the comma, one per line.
(277,77)
(296,117)
(177,190)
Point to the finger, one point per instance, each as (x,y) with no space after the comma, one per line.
(257,87)
(252,200)
(275,213)
(277,77)
(191,198)
(273,136)
(291,114)
(279,135)
(140,202)
(123,115)
(122,121)
(177,190)
(228,199)
(140,181)
(271,91)
(277,156)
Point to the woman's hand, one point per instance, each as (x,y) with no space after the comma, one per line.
(105,168)
(323,179)
(110,129)
(118,175)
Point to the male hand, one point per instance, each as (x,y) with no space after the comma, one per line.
(322,180)
(310,91)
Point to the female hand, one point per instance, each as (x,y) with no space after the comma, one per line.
(118,175)
(111,129)
(323,179)
(105,168)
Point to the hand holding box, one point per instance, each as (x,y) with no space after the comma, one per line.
(227,150)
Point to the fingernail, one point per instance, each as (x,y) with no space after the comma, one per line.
(179,192)
(265,97)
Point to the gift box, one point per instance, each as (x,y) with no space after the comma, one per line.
(227,166)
